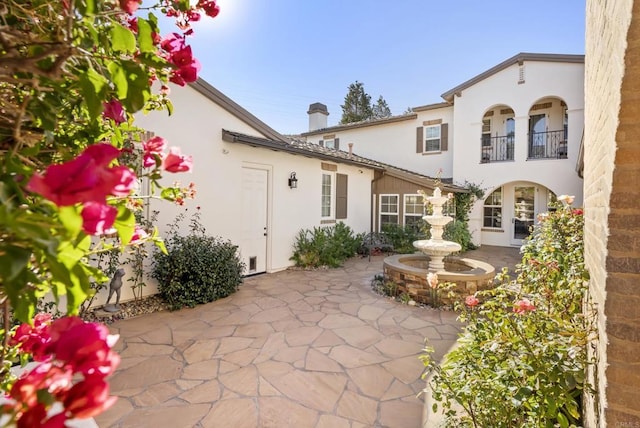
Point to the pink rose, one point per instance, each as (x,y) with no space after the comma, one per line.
(523,306)
(432,280)
(471,301)
(175,161)
(97,218)
(86,178)
(113,110)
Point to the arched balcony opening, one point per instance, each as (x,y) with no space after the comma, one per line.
(548,128)
(498,135)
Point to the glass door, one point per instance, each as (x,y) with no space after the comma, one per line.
(523,213)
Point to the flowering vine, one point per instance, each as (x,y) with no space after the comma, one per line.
(72,75)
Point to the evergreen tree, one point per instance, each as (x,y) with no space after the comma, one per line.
(357,104)
(380,109)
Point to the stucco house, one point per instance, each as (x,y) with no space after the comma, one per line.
(515,130)
(258,188)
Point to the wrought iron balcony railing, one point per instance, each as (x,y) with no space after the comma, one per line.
(497,149)
(548,145)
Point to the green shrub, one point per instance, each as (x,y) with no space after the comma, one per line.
(325,246)
(458,231)
(522,358)
(402,237)
(198,268)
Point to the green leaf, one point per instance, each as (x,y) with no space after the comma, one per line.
(13,260)
(138,92)
(93,86)
(562,420)
(145,38)
(159,242)
(122,39)
(71,220)
(125,224)
(119,79)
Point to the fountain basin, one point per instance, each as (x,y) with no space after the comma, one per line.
(409,273)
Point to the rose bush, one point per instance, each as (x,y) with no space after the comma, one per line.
(521,360)
(72,75)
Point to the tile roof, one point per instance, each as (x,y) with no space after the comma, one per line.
(304,148)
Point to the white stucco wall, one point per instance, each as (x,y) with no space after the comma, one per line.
(395,143)
(560,81)
(196,127)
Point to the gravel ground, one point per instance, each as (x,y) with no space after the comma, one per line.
(129,309)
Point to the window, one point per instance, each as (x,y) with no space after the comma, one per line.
(327,195)
(486,132)
(432,138)
(493,209)
(413,210)
(388,210)
(330,143)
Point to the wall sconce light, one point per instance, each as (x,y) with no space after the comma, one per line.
(293,181)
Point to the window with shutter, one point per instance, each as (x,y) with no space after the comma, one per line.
(342,181)
(432,137)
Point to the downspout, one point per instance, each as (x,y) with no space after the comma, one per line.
(374,204)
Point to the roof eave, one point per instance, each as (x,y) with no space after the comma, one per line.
(393,119)
(232,137)
(516,59)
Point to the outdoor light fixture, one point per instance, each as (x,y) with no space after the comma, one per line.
(293,181)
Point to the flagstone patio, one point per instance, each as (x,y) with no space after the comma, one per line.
(289,349)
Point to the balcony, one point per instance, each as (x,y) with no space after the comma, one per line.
(548,145)
(497,149)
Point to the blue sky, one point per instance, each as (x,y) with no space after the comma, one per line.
(276,57)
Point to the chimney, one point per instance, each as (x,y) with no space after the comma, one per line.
(350,149)
(317,116)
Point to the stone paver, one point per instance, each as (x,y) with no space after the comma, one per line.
(289,349)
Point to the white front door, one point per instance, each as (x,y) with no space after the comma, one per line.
(253,247)
(523,214)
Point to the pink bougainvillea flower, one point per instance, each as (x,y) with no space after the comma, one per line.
(432,280)
(113,110)
(97,218)
(152,148)
(85,347)
(577,211)
(45,376)
(88,398)
(86,178)
(154,145)
(523,306)
(172,43)
(139,234)
(33,339)
(130,6)
(175,161)
(471,301)
(210,7)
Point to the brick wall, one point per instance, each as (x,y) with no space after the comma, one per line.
(612,206)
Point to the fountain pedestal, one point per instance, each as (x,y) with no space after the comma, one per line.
(436,247)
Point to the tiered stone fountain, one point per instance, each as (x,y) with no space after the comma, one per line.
(436,247)
(409,271)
